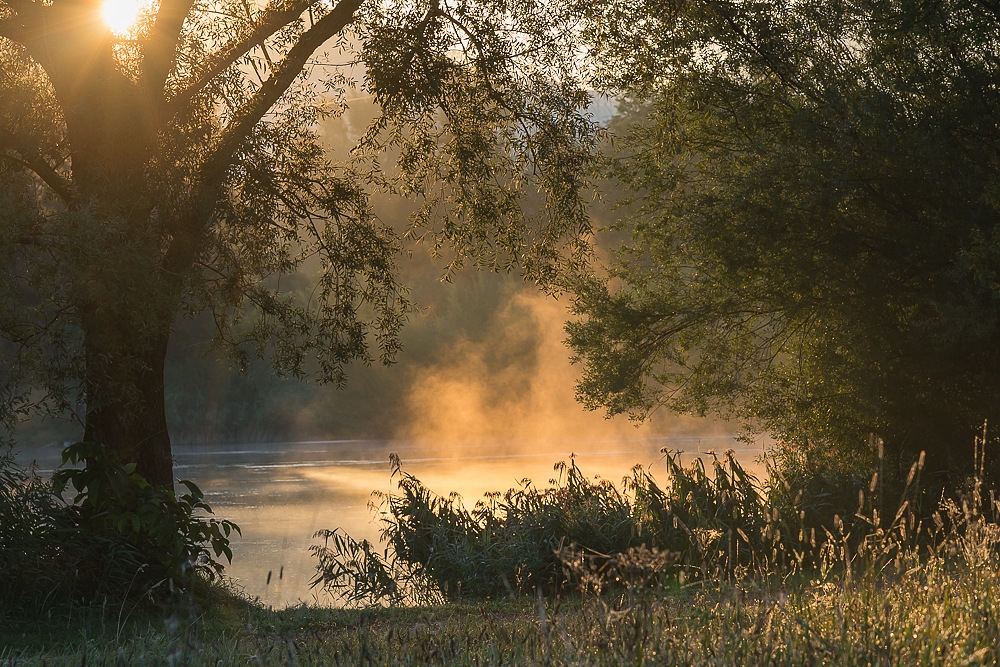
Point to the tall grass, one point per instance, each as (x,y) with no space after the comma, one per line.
(674,582)
(526,538)
(927,603)
(714,522)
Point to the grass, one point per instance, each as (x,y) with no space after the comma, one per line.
(936,614)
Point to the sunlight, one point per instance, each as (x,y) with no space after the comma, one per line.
(120,15)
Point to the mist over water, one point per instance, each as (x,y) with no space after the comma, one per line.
(513,382)
(483,409)
(483,398)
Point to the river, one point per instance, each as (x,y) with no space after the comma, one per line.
(280,494)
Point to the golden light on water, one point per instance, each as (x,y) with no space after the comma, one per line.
(121,15)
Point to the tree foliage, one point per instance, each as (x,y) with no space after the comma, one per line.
(177,170)
(814,227)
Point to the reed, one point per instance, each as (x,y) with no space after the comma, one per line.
(707,522)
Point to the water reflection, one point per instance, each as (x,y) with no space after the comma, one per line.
(280,494)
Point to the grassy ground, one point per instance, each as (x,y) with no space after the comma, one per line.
(933,614)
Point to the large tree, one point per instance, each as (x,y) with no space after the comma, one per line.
(815,231)
(176,169)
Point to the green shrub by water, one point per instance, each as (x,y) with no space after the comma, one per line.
(700,524)
(118,540)
(704,523)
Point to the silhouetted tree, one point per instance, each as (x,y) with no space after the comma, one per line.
(175,170)
(815,229)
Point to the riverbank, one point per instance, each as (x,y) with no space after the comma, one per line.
(280,494)
(934,613)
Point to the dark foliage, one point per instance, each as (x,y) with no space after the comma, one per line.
(719,523)
(118,539)
(814,240)
(700,524)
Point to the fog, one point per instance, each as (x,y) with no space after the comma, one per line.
(514,383)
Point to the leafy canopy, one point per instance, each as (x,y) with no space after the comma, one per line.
(813,237)
(177,169)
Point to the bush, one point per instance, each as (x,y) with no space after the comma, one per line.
(857,495)
(119,537)
(525,537)
(438,549)
(809,516)
(29,519)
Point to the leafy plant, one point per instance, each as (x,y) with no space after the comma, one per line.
(527,537)
(356,574)
(117,538)
(29,513)
(113,500)
(705,523)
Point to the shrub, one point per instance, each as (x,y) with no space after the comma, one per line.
(525,537)
(720,522)
(507,543)
(118,538)
(29,518)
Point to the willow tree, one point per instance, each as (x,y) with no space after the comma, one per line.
(814,237)
(175,169)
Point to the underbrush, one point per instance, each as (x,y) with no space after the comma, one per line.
(701,570)
(703,525)
(524,538)
(118,542)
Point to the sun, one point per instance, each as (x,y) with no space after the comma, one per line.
(120,15)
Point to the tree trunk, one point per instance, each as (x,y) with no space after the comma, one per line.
(125,397)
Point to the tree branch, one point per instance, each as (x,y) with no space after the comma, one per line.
(728,13)
(184,247)
(161,45)
(992,7)
(282,77)
(272,19)
(34,161)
